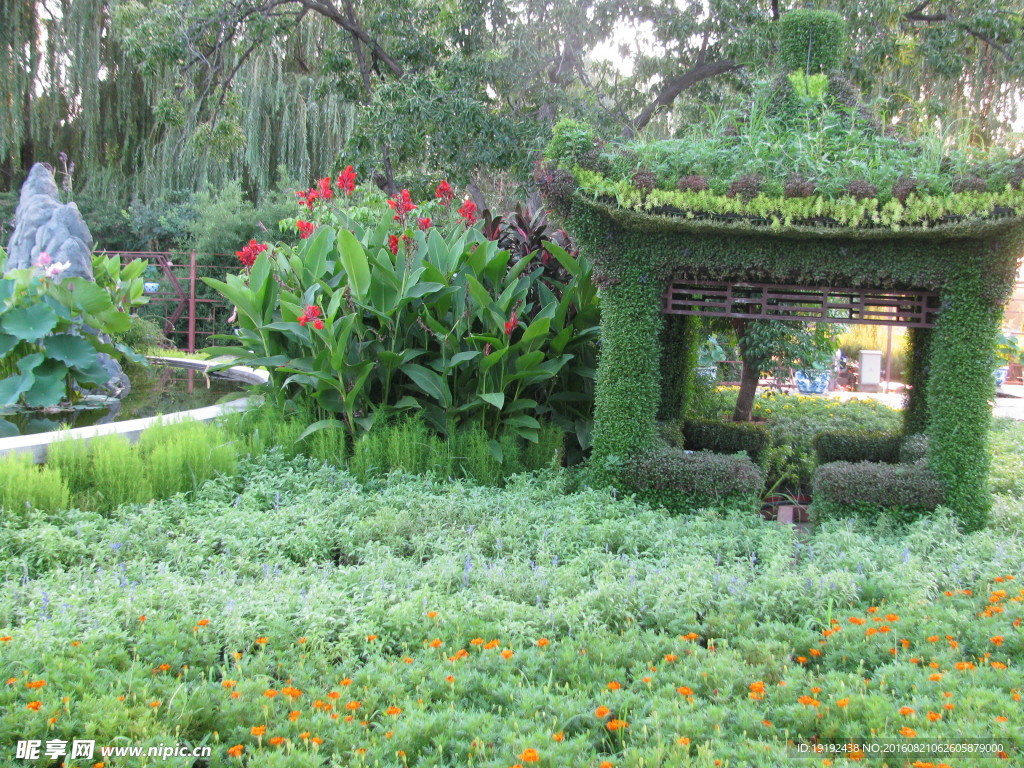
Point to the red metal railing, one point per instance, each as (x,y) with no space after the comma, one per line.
(182,294)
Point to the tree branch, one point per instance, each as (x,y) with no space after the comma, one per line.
(675,86)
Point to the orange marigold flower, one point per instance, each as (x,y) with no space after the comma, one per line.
(462,653)
(683,741)
(258,730)
(317,740)
(291,692)
(333,695)
(856,620)
(270,693)
(142,618)
(235,694)
(347,681)
(304,735)
(370,638)
(998,665)
(814,652)
(203,622)
(891,617)
(1002,719)
(801,659)
(12,680)
(684,690)
(236,751)
(607,764)
(560,736)
(948,706)
(645,679)
(997,640)
(492,644)
(477,641)
(670,657)
(262,640)
(815,689)
(450,679)
(507,653)
(872,609)
(615,725)
(39,683)
(543,642)
(6,639)
(436,642)
(614,685)
(301,641)
(276,740)
(934,716)
(908,732)
(935,677)
(35,705)
(906,711)
(767,723)
(352,706)
(431,614)
(602,712)
(294,715)
(229,684)
(393,710)
(843,703)
(808,701)
(530,756)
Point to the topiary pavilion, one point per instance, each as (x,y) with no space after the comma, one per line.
(805,207)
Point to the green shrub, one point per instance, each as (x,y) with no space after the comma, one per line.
(869,489)
(181,456)
(144,333)
(726,437)
(25,485)
(914,448)
(850,445)
(682,481)
(811,41)
(116,475)
(1007,472)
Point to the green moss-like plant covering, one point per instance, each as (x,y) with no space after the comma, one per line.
(816,195)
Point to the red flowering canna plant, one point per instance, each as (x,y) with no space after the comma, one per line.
(365,322)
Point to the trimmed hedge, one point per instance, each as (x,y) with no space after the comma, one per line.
(812,41)
(726,437)
(682,481)
(869,489)
(852,445)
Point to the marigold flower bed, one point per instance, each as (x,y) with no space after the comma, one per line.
(291,617)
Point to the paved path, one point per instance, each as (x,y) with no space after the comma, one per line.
(1009,401)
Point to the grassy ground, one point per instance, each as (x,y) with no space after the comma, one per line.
(290,616)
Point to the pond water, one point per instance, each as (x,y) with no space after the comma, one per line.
(156,390)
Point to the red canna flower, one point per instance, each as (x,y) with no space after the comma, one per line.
(444,193)
(401,204)
(308,197)
(511,324)
(305,228)
(325,191)
(424,223)
(318,324)
(347,181)
(468,212)
(249,253)
(393,243)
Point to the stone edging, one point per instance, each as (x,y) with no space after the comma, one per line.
(37,445)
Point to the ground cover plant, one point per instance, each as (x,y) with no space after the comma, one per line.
(293,616)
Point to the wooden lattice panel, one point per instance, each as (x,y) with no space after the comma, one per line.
(765,301)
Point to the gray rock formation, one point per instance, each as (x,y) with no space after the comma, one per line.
(43,224)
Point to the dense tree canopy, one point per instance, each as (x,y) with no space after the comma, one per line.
(154,95)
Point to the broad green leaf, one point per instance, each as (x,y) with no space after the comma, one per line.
(430,382)
(493,358)
(12,387)
(461,357)
(89,296)
(49,386)
(30,323)
(538,328)
(497,399)
(70,349)
(7,343)
(569,264)
(318,426)
(353,259)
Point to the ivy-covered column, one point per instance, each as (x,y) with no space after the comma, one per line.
(680,341)
(959,390)
(628,392)
(915,406)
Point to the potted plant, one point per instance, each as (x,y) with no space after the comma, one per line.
(1010,353)
(708,358)
(152,283)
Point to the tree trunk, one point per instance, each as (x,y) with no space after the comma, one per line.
(749,377)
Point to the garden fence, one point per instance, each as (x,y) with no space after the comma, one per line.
(188,308)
